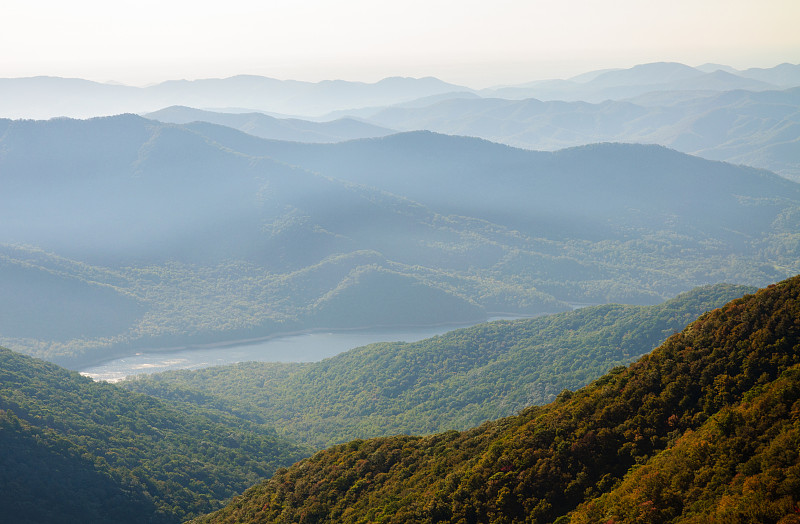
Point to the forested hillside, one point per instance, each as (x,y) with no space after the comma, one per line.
(453,381)
(703,429)
(72,450)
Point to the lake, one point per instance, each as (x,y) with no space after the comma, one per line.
(309,347)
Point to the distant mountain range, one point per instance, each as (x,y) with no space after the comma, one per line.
(265,126)
(46,97)
(761,129)
(123,232)
(585,192)
(714,111)
(646,78)
(739,119)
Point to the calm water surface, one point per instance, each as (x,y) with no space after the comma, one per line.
(309,347)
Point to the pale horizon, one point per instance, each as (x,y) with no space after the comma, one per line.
(372,79)
(466,43)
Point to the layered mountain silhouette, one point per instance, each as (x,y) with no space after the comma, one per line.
(645,78)
(585,192)
(266,126)
(249,207)
(201,233)
(46,97)
(759,129)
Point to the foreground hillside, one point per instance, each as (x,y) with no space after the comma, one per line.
(706,428)
(454,381)
(72,450)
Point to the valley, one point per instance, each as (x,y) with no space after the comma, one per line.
(250,299)
(121,234)
(455,380)
(146,456)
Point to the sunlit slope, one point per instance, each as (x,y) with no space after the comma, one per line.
(692,407)
(452,381)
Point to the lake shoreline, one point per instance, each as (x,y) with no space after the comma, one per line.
(93,362)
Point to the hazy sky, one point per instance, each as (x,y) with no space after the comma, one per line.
(475,43)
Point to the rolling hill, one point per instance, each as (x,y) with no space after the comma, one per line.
(453,381)
(599,191)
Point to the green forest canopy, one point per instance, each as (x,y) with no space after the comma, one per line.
(453,381)
(74,450)
(717,406)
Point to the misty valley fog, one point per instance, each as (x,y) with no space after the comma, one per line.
(197,233)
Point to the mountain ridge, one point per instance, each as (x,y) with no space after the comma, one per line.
(47,97)
(35,97)
(265,126)
(738,126)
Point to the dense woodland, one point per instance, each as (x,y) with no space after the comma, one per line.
(73,450)
(709,417)
(706,428)
(453,381)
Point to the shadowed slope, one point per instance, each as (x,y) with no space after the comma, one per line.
(105,454)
